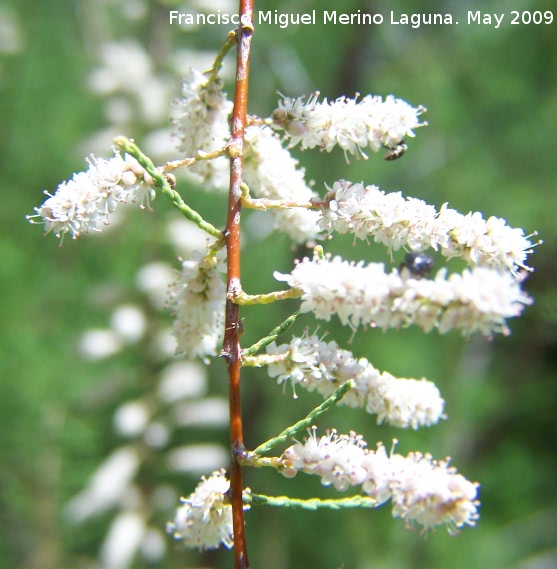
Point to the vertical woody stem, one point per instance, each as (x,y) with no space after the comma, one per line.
(231,347)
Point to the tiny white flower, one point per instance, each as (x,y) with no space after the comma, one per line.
(204,520)
(404,402)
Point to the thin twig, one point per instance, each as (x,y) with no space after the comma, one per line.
(310,503)
(272,336)
(292,431)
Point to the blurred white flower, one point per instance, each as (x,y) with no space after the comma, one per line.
(212,411)
(185,236)
(11,38)
(126,67)
(153,545)
(123,540)
(181,380)
(157,435)
(107,485)
(154,280)
(98,344)
(129,323)
(131,418)
(197,458)
(164,343)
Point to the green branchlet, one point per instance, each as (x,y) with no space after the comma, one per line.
(272,336)
(310,503)
(292,431)
(161,182)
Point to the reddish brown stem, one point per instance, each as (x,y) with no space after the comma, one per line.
(231,347)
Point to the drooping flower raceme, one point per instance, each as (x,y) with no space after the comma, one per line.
(323,366)
(271,172)
(423,491)
(84,203)
(198,298)
(351,124)
(200,118)
(396,221)
(204,520)
(480,299)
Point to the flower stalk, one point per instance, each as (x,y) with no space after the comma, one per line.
(231,351)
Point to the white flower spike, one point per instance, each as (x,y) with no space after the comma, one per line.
(201,126)
(204,520)
(84,203)
(396,221)
(197,298)
(423,491)
(322,366)
(351,124)
(480,299)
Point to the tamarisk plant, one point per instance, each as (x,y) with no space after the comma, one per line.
(225,149)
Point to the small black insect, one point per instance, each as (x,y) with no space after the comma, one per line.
(397,151)
(418,264)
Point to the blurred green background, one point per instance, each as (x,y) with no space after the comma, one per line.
(490,146)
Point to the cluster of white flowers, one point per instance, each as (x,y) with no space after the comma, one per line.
(351,124)
(204,520)
(271,172)
(84,203)
(323,366)
(476,300)
(398,222)
(197,299)
(200,120)
(422,490)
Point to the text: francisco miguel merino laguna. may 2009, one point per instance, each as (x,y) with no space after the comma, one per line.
(415,20)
